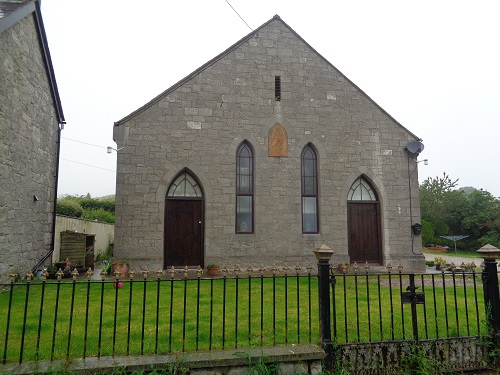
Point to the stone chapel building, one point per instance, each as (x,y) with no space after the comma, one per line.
(259,156)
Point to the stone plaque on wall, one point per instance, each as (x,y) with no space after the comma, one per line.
(278,141)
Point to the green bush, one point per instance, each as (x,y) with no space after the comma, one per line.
(69,207)
(86,207)
(99,214)
(95,204)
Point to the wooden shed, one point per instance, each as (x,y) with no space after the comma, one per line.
(77,247)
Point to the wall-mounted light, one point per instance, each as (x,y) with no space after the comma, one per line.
(110,149)
(426,161)
(35,198)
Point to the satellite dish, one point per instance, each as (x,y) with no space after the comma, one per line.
(415,147)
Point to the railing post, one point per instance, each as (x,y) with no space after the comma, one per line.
(490,285)
(323,254)
(412,288)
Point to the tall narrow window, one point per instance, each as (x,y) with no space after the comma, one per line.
(309,178)
(244,189)
(277,88)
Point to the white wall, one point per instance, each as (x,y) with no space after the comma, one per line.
(104,233)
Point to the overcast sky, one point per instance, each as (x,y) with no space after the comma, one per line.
(433,65)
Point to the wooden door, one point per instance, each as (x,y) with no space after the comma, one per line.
(183,233)
(364,232)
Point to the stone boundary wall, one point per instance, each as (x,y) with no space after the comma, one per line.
(293,359)
(456,354)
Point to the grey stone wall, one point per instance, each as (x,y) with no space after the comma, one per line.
(28,150)
(199,126)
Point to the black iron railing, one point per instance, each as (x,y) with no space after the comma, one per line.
(56,319)
(63,319)
(399,306)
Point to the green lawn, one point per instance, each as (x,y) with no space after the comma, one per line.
(183,315)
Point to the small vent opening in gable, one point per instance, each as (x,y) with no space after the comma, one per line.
(277,88)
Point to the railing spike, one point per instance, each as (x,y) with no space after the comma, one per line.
(274,269)
(309,268)
(285,269)
(131,274)
(59,274)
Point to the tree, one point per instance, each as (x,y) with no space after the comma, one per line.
(447,211)
(427,232)
(433,197)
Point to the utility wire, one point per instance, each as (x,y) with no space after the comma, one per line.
(238,15)
(85,143)
(88,165)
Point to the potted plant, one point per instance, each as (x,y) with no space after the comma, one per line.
(213,269)
(440,263)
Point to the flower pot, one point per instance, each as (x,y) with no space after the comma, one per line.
(213,271)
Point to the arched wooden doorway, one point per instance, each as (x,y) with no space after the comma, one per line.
(184,218)
(363,222)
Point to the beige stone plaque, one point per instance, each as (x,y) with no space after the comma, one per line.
(278,141)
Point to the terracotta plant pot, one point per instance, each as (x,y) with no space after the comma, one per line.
(213,271)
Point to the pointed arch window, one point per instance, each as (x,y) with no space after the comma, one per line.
(309,182)
(185,185)
(244,189)
(361,191)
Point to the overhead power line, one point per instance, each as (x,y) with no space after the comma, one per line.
(238,15)
(85,143)
(88,165)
